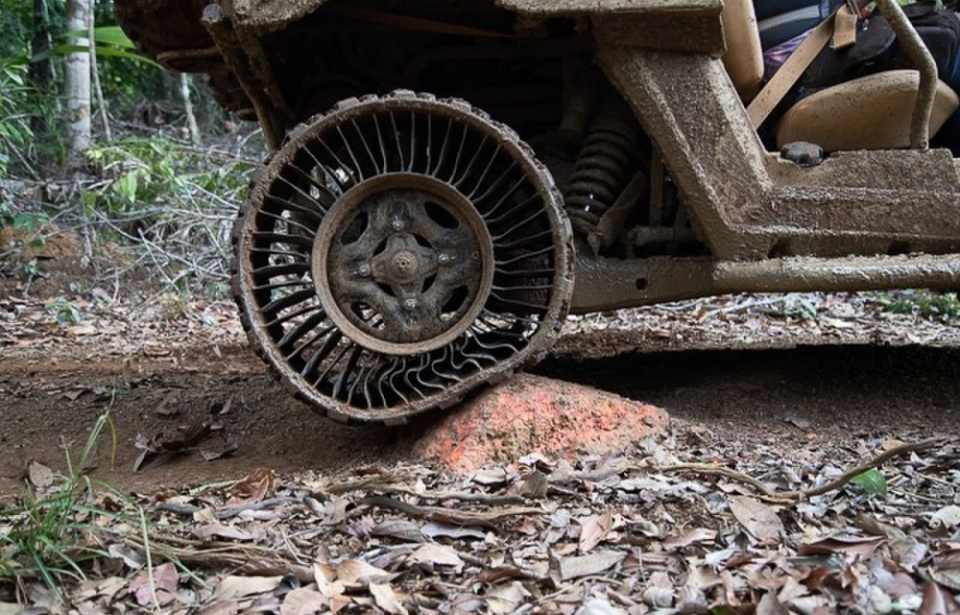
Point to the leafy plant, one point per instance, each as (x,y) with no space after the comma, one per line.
(53,535)
(65,311)
(871,482)
(923,303)
(15,131)
(108,41)
(27,225)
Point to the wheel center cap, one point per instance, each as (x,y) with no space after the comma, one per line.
(404,265)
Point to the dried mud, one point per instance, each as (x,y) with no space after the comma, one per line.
(787,398)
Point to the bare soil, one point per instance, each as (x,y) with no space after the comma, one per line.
(784,391)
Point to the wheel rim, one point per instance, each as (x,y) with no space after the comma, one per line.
(403,264)
(399,252)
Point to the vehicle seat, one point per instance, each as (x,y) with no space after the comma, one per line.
(872,112)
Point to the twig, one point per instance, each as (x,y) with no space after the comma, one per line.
(445,515)
(704,468)
(877,461)
(785,497)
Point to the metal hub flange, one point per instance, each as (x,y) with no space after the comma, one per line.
(403,264)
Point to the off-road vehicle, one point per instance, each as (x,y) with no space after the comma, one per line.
(449,178)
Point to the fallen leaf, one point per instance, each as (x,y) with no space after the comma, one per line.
(598,606)
(326,578)
(490,477)
(771,605)
(863,546)
(40,476)
(587,565)
(356,572)
(594,530)
(157,586)
(948,517)
(757,518)
(205,532)
(236,587)
(690,537)
(304,602)
(936,601)
(946,569)
(221,608)
(437,555)
(253,488)
(504,599)
(399,529)
(439,530)
(387,599)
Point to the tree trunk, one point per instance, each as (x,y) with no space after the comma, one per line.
(188,108)
(77,80)
(95,73)
(41,71)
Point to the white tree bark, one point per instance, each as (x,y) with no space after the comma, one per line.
(95,73)
(77,80)
(188,108)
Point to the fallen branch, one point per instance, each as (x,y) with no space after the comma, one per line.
(704,468)
(448,516)
(786,497)
(877,461)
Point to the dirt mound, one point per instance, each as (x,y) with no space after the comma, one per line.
(533,414)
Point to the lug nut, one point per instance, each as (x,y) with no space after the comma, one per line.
(411,304)
(445,259)
(364,271)
(397,224)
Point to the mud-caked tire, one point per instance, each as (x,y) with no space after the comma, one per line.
(397,253)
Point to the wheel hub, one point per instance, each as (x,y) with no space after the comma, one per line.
(403,264)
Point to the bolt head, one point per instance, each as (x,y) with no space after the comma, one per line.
(445,259)
(364,270)
(397,224)
(411,304)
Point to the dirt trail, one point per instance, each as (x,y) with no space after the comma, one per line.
(779,397)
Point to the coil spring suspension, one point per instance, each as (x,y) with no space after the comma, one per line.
(612,144)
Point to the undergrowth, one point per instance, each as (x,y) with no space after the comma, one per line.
(921,303)
(58,528)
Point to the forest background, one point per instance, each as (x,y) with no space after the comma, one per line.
(108,162)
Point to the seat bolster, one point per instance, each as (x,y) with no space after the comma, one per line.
(872,112)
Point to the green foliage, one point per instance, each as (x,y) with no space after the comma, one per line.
(31,223)
(51,535)
(109,42)
(15,132)
(872,483)
(144,174)
(923,303)
(65,311)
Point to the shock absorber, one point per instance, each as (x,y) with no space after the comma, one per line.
(612,143)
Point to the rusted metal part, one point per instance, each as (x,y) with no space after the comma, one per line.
(399,252)
(190,60)
(263,76)
(609,284)
(610,147)
(922,59)
(220,27)
(618,7)
(712,151)
(683,32)
(413,24)
(691,26)
(410,248)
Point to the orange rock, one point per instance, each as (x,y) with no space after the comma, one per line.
(530,414)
